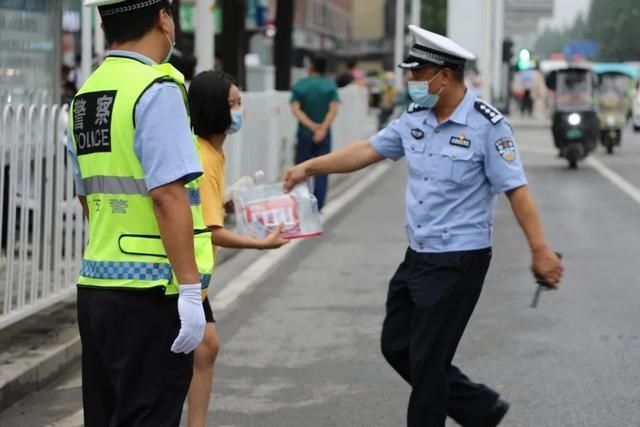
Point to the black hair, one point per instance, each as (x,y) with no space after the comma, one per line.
(319,64)
(209,102)
(122,30)
(458,73)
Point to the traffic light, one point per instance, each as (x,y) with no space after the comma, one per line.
(507,50)
(524,59)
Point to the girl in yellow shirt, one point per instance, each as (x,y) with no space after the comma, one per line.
(216,111)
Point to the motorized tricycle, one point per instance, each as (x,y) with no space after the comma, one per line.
(614,99)
(575,124)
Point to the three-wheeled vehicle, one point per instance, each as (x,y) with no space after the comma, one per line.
(575,120)
(614,99)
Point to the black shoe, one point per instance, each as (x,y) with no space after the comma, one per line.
(496,414)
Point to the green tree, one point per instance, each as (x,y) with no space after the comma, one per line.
(434,16)
(614,25)
(550,41)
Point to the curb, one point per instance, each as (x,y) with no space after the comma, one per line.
(35,373)
(37,351)
(35,364)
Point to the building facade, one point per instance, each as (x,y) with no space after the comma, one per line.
(30,51)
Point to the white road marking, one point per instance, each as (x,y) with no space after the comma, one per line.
(629,189)
(254,273)
(616,179)
(74,420)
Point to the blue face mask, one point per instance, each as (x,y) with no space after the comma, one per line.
(236,121)
(419,92)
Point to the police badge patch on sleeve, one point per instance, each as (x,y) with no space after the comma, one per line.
(92,121)
(506,148)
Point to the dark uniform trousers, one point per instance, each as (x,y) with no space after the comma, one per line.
(431,298)
(308,149)
(130,377)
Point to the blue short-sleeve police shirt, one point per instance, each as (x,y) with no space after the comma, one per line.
(456,169)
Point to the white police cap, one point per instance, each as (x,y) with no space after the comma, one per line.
(433,49)
(127,8)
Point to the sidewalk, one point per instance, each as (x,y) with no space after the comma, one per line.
(43,347)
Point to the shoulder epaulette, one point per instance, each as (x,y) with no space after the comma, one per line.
(490,113)
(414,108)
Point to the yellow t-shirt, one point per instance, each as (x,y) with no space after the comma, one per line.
(212,185)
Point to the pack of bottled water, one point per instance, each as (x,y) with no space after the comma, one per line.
(260,208)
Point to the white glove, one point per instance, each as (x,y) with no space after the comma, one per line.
(192,321)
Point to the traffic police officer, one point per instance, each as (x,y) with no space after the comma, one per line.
(461,154)
(149,253)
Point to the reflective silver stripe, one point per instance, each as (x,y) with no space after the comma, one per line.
(114,185)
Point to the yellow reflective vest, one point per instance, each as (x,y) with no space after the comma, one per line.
(125,250)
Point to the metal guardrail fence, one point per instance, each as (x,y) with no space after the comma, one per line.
(43,231)
(42,227)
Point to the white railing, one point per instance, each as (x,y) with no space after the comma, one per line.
(43,232)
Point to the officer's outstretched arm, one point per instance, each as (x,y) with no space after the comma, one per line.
(351,158)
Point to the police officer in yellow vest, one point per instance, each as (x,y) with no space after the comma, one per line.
(149,254)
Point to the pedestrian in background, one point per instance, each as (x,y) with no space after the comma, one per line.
(215,104)
(345,78)
(461,154)
(388,101)
(135,168)
(314,102)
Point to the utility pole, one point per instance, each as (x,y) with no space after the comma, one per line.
(233,33)
(87,41)
(204,35)
(283,44)
(98,36)
(398,54)
(416,12)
